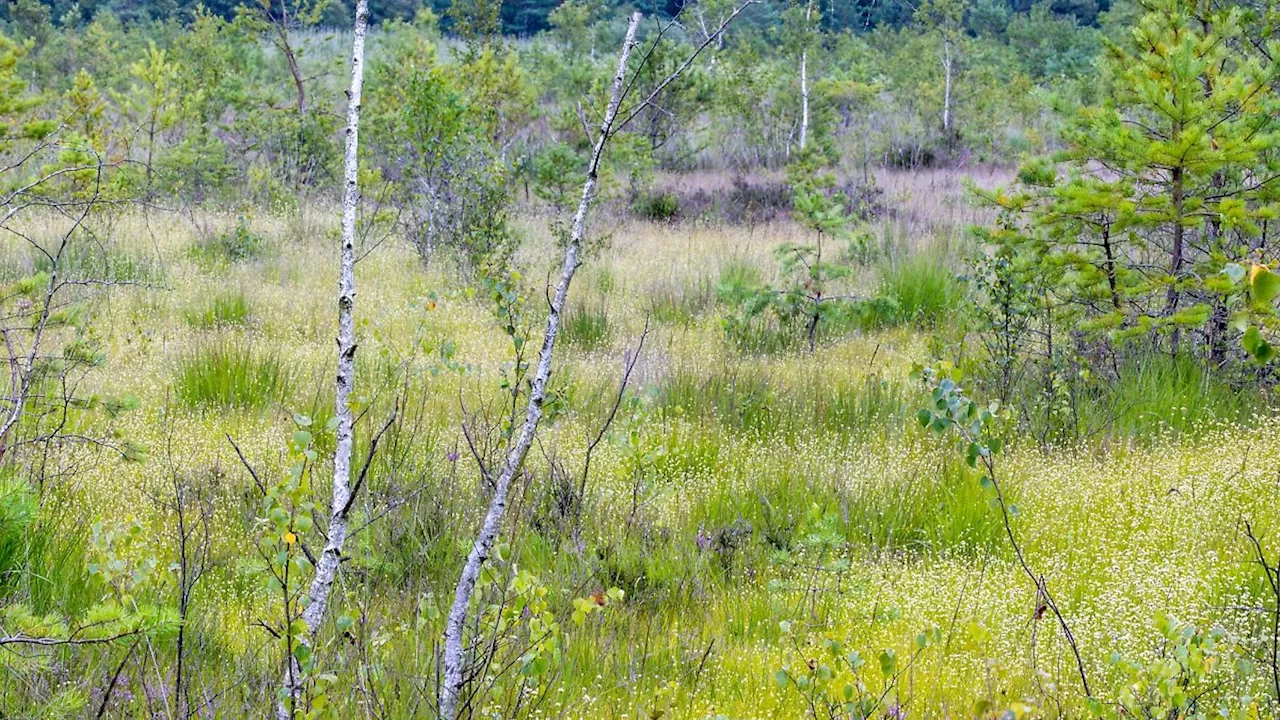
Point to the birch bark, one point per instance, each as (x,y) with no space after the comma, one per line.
(454,655)
(340,505)
(804,79)
(454,659)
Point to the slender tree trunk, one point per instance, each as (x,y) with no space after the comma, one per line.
(454,659)
(804,80)
(151,147)
(817,298)
(340,505)
(804,99)
(1219,325)
(1175,258)
(184,600)
(1112,279)
(282,31)
(947,65)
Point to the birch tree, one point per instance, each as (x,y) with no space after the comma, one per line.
(800,28)
(343,492)
(615,118)
(945,20)
(804,81)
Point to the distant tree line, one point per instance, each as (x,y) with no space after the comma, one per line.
(522,18)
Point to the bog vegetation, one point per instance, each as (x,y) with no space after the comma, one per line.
(716,359)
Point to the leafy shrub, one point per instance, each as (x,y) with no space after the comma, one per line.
(236,245)
(228,308)
(660,206)
(223,375)
(742,292)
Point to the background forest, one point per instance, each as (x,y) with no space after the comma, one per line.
(716,359)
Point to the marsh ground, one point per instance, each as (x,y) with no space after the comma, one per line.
(750,502)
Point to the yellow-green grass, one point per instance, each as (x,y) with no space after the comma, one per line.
(1121,530)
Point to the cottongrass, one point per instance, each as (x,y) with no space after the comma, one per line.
(1122,530)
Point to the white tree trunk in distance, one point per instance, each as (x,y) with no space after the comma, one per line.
(454,659)
(946,88)
(340,505)
(804,79)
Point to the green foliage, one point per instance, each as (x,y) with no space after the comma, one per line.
(239,244)
(586,327)
(1200,675)
(437,132)
(284,524)
(736,491)
(86,259)
(807,293)
(1162,392)
(744,298)
(923,291)
(554,173)
(1183,122)
(837,681)
(226,308)
(18,509)
(659,206)
(226,375)
(680,303)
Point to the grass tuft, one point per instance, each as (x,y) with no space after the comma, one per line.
(923,290)
(586,328)
(228,308)
(1157,391)
(230,376)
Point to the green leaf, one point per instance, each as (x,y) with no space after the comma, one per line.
(888,663)
(1235,271)
(1257,346)
(1264,285)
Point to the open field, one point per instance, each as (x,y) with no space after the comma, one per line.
(738,494)
(679,359)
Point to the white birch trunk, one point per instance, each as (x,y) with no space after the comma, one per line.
(946,87)
(454,659)
(340,505)
(804,99)
(804,80)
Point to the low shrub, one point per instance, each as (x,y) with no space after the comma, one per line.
(236,245)
(661,206)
